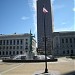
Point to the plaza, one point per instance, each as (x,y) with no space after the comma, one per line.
(62,66)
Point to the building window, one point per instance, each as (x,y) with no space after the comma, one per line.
(6,52)
(26,43)
(17,52)
(13,52)
(66,40)
(10,47)
(3,42)
(3,53)
(63,52)
(62,40)
(0,42)
(9,52)
(7,42)
(13,42)
(13,47)
(67,51)
(7,47)
(17,47)
(26,39)
(70,40)
(21,42)
(17,42)
(20,52)
(71,51)
(71,45)
(10,42)
(21,47)
(26,47)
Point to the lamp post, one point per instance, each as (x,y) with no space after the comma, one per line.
(46,69)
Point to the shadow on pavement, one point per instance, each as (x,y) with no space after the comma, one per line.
(70,73)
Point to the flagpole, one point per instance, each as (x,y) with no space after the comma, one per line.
(46,70)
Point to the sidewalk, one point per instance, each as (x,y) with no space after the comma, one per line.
(62,66)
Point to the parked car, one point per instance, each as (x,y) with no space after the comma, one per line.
(51,56)
(20,57)
(40,57)
(5,58)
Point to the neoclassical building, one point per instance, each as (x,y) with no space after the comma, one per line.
(64,43)
(15,44)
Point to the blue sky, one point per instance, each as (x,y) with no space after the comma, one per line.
(64,14)
(20,16)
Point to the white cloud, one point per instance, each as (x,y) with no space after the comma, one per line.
(24,18)
(34,16)
(52,1)
(32,4)
(74,9)
(64,23)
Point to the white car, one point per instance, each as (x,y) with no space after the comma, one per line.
(51,56)
(5,58)
(41,57)
(20,57)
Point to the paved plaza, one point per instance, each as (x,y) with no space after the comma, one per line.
(63,66)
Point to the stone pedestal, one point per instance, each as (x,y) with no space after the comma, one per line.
(49,73)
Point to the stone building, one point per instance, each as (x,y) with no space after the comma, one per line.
(15,44)
(63,43)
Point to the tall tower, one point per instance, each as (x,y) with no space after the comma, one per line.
(40,26)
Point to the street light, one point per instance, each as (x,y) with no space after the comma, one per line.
(46,69)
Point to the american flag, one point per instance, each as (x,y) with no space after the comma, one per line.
(45,10)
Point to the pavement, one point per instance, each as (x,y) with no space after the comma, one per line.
(62,67)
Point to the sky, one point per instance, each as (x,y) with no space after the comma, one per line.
(19,16)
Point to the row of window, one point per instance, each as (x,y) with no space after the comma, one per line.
(65,46)
(66,52)
(68,40)
(11,47)
(68,46)
(11,42)
(10,52)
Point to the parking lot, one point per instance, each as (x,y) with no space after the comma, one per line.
(63,66)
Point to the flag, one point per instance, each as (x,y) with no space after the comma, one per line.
(45,10)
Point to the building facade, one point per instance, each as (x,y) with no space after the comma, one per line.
(63,43)
(15,44)
(40,26)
